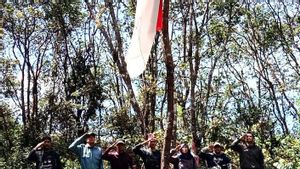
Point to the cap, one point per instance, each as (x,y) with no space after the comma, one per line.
(91,134)
(120,142)
(218,144)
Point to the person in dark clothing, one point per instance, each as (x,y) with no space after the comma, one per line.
(44,156)
(215,158)
(150,156)
(118,158)
(184,159)
(251,156)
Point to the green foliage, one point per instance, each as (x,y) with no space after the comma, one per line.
(63,16)
(246,57)
(12,152)
(122,123)
(287,153)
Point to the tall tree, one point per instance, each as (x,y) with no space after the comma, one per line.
(170,87)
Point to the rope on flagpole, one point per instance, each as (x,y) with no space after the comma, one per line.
(1,29)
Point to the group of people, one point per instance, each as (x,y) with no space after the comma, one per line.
(181,157)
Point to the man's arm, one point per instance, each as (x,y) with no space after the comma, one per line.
(261,159)
(59,165)
(32,155)
(204,153)
(137,149)
(106,155)
(236,144)
(173,159)
(174,150)
(74,146)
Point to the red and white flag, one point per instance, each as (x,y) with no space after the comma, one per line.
(146,24)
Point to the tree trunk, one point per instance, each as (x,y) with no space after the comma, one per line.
(170,89)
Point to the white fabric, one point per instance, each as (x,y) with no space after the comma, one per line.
(142,37)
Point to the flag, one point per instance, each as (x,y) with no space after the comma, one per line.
(145,26)
(159,24)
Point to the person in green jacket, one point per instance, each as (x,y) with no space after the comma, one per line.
(90,155)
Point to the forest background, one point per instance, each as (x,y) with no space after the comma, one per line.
(217,70)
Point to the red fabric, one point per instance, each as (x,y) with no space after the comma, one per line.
(159,23)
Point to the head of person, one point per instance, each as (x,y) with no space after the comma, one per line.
(218,148)
(47,144)
(184,148)
(120,146)
(91,138)
(152,144)
(249,138)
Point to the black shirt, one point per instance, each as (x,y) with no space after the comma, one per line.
(251,156)
(214,160)
(118,161)
(45,159)
(150,158)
